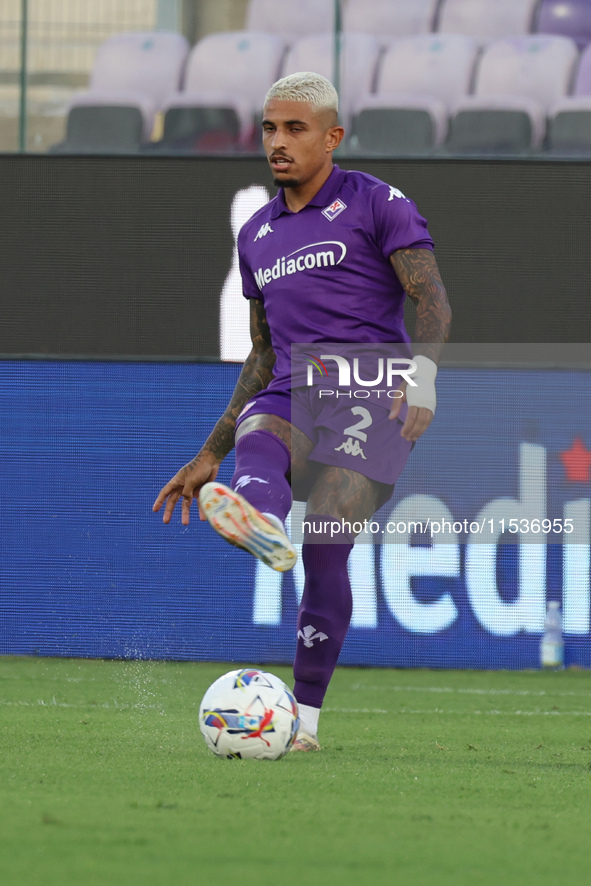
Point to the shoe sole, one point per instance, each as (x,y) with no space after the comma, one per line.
(305,744)
(238,522)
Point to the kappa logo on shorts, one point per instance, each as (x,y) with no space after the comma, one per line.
(351,447)
(334,209)
(263,231)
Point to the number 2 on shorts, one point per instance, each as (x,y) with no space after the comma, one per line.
(356,430)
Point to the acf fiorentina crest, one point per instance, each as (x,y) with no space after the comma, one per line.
(334,209)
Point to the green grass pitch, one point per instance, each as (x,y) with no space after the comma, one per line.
(426,778)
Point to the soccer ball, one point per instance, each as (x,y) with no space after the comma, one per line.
(249,714)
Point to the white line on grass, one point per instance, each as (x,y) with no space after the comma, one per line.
(115,705)
(465,691)
(53,703)
(440,711)
(355,711)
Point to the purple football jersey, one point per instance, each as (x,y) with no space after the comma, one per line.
(324,273)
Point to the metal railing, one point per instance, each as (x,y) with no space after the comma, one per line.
(47,49)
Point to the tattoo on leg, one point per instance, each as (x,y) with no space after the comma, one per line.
(347,495)
(273,423)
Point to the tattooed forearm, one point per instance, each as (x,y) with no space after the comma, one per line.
(418,273)
(256,374)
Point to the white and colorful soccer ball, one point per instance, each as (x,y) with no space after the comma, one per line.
(249,714)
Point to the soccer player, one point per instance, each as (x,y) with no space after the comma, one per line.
(329,259)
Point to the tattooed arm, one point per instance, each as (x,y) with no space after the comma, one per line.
(256,374)
(419,275)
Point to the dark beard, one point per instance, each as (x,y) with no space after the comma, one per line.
(285,183)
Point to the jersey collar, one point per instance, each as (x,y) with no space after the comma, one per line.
(325,196)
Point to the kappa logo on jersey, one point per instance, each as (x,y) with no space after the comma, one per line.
(351,447)
(263,231)
(334,209)
(307,259)
(394,192)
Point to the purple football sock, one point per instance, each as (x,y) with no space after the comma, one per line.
(262,461)
(324,615)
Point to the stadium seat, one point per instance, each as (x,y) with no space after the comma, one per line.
(149,63)
(486,20)
(131,76)
(226,81)
(389,19)
(570,18)
(517,82)
(110,123)
(359,59)
(291,21)
(569,127)
(420,78)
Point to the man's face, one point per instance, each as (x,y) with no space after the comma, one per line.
(298,140)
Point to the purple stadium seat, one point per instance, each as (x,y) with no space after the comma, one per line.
(570,18)
(569,128)
(517,82)
(419,80)
(359,58)
(388,19)
(227,78)
(486,20)
(131,76)
(291,21)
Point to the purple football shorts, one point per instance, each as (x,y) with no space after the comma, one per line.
(346,433)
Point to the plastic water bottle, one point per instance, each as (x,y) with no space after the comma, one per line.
(552,644)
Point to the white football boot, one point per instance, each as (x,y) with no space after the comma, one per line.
(236,520)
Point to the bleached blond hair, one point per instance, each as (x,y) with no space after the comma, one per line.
(306,86)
